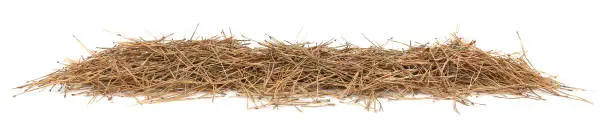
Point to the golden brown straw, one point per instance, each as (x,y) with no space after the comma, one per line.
(281,73)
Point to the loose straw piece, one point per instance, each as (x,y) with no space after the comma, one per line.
(82,45)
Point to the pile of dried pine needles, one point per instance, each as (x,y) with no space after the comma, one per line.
(281,73)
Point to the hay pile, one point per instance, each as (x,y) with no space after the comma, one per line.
(280,73)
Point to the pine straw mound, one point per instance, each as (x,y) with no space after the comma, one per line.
(279,73)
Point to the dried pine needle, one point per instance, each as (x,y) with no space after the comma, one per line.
(299,74)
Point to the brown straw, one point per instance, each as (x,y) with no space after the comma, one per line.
(282,73)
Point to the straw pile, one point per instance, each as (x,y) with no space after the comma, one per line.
(281,73)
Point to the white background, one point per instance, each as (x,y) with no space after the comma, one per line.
(566,38)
